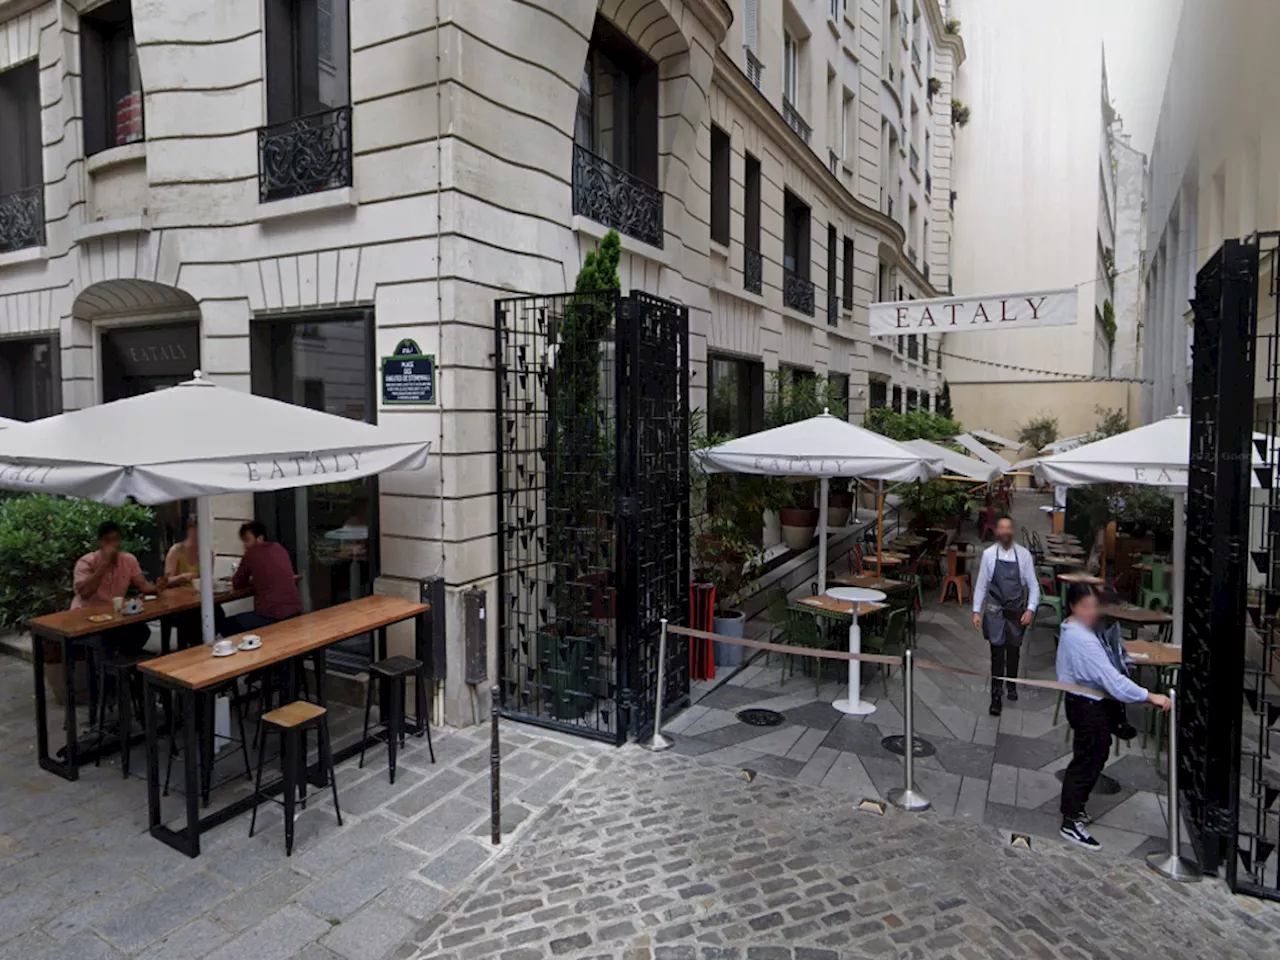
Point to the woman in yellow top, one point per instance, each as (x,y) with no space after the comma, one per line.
(182,563)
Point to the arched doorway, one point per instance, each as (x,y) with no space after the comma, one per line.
(145,337)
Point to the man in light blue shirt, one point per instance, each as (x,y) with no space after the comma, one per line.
(1004,604)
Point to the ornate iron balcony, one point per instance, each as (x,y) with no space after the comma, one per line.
(833,162)
(615,198)
(22,219)
(926,270)
(754,67)
(915,56)
(797,292)
(911,252)
(795,121)
(833,308)
(915,159)
(928,183)
(305,155)
(752,270)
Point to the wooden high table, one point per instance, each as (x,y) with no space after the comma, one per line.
(69,627)
(190,673)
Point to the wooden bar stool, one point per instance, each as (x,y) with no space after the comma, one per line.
(292,721)
(391,675)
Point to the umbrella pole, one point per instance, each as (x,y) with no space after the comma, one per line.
(823,486)
(1179,561)
(204,530)
(880,529)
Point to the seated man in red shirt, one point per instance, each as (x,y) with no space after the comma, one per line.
(267,568)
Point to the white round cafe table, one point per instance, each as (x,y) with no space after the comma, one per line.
(853,703)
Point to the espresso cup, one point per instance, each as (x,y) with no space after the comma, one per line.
(223,647)
(117,604)
(251,642)
(195,584)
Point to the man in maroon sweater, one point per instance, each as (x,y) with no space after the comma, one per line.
(267,568)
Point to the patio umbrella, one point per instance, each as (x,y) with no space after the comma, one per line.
(9,423)
(956,464)
(822,447)
(197,440)
(1155,455)
(982,451)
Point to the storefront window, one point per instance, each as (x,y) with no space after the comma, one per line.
(324,362)
(30,382)
(735,397)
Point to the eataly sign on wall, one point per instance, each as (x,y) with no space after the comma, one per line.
(1005,311)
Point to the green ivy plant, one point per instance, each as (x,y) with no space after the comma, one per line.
(914,424)
(1109,321)
(42,537)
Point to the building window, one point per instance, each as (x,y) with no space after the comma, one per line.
(324,362)
(30,379)
(735,396)
(839,383)
(879,394)
(750,25)
(913,347)
(901,341)
(912,400)
(752,263)
(719,186)
(797,289)
(833,270)
(615,157)
(847,127)
(924,401)
(306,146)
(110,81)
(924,349)
(848,273)
(790,68)
(21,169)
(897,399)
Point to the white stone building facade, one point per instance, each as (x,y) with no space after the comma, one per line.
(281,191)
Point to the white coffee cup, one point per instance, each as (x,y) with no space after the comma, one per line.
(117,603)
(250,641)
(223,647)
(195,584)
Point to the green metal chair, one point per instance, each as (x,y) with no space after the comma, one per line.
(1155,588)
(802,630)
(892,641)
(778,610)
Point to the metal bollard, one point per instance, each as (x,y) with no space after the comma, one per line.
(908,797)
(657,743)
(495,779)
(1172,864)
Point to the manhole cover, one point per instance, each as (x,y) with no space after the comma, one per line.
(757,717)
(896,744)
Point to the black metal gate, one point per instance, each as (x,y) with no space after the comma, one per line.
(1229,778)
(593,507)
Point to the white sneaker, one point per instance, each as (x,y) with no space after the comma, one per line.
(1073,831)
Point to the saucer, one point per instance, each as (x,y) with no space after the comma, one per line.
(229,653)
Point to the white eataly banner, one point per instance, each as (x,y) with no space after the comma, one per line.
(1004,311)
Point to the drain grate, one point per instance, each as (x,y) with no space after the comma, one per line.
(898,744)
(758,717)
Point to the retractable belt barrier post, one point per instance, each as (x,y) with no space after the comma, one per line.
(1171,863)
(907,797)
(657,743)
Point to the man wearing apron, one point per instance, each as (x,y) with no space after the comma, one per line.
(1004,604)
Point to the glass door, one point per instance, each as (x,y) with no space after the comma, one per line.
(324,362)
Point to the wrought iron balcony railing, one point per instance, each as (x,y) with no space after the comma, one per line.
(833,162)
(926,270)
(928,183)
(890,210)
(911,252)
(22,219)
(833,308)
(306,155)
(795,121)
(618,199)
(915,56)
(914,159)
(797,292)
(752,270)
(892,75)
(754,67)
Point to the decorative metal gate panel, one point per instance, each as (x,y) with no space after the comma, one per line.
(1230,780)
(593,512)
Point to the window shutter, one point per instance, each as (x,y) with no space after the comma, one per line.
(93,88)
(749,25)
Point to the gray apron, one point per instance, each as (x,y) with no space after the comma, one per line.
(1005,603)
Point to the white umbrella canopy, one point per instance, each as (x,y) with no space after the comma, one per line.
(197,440)
(956,464)
(821,446)
(982,452)
(9,423)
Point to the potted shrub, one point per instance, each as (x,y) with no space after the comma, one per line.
(730,562)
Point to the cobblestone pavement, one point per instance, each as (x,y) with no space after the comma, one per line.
(668,858)
(81,879)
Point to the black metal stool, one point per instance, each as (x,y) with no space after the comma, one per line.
(292,721)
(123,669)
(391,675)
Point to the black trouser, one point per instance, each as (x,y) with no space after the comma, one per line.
(1004,663)
(1091,730)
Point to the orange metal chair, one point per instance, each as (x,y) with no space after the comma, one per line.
(955,578)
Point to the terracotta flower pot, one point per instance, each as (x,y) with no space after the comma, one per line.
(798,526)
(839,507)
